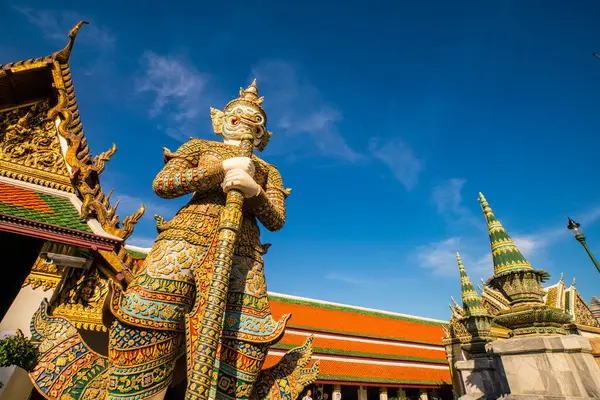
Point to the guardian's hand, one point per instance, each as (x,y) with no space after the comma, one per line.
(242,181)
(242,163)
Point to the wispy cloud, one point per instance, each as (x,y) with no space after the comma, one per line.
(178,92)
(590,216)
(448,199)
(440,257)
(532,244)
(399,158)
(55,25)
(447,196)
(298,110)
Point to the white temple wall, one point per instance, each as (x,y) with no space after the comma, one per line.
(15,380)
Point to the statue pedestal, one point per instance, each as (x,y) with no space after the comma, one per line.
(480,380)
(547,367)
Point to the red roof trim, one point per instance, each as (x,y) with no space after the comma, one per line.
(326,381)
(359,355)
(355,335)
(9,223)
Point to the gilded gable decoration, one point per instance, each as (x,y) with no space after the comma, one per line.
(583,313)
(47,105)
(29,147)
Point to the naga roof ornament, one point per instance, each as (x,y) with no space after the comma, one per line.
(505,253)
(63,55)
(471,303)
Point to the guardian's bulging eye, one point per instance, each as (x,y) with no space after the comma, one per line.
(234,121)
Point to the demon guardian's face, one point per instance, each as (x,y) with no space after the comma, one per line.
(244,119)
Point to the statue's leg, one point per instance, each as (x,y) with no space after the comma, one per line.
(147,336)
(248,330)
(141,361)
(159,396)
(239,364)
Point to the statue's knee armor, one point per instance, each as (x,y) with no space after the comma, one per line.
(141,361)
(161,295)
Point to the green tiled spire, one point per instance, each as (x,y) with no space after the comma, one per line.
(470,299)
(507,256)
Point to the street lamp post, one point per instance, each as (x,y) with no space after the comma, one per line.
(576,229)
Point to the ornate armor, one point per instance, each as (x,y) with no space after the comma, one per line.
(167,308)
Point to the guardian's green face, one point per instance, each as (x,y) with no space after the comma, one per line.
(242,119)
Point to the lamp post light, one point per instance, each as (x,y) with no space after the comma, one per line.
(576,229)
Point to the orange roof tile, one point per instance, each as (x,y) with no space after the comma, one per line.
(320,316)
(21,197)
(40,206)
(361,372)
(363,346)
(366,348)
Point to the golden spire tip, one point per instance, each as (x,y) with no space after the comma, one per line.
(458,259)
(484,203)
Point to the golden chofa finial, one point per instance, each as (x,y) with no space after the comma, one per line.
(63,56)
(251,94)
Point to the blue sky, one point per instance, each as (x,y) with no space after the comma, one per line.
(387,121)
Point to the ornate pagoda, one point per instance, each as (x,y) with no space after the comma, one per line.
(514,309)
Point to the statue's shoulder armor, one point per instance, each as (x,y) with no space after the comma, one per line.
(274,181)
(192,150)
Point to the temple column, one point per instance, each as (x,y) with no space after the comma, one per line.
(383,393)
(337,392)
(423,395)
(362,393)
(401,394)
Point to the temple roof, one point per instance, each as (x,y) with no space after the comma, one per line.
(356,344)
(40,207)
(322,316)
(46,213)
(42,142)
(365,371)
